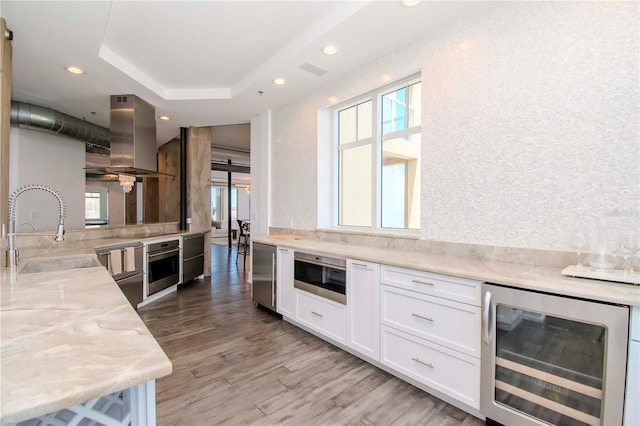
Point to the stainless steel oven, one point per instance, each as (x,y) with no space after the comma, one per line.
(163,265)
(548,359)
(321,275)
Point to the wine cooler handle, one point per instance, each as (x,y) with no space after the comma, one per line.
(487,320)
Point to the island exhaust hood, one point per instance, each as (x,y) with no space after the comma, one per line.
(133,136)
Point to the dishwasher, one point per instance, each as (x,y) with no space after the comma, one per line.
(125,263)
(192,256)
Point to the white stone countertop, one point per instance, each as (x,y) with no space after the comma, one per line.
(69,336)
(529,277)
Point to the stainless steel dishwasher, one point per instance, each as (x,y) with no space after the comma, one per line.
(263,288)
(192,256)
(125,263)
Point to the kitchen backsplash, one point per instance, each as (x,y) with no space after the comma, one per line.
(45,239)
(519,255)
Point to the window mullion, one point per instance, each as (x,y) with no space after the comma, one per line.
(376,186)
(401,133)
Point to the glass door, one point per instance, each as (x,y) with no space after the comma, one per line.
(553,360)
(550,368)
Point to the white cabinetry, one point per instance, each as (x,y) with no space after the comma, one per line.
(452,324)
(285,303)
(363,306)
(632,408)
(448,371)
(322,315)
(430,327)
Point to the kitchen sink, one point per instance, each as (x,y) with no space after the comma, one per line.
(58,264)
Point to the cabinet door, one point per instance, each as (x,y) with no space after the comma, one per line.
(284,293)
(363,306)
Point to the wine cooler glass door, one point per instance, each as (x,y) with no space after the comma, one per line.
(552,360)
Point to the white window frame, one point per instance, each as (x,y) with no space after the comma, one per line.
(375,96)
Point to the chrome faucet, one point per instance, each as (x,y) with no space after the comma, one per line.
(12,250)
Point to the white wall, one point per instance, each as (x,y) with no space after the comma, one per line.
(260,173)
(54,161)
(530,123)
(244,204)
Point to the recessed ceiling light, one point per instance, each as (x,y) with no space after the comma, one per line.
(74,70)
(279,81)
(410,3)
(164,118)
(329,50)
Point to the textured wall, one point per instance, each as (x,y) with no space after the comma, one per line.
(530,119)
(294,167)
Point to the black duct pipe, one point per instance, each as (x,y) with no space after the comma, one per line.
(183,178)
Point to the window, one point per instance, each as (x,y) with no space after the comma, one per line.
(378,159)
(95,205)
(92,205)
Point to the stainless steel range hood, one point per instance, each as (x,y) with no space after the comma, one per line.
(133,136)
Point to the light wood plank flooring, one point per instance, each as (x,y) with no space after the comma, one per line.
(234,363)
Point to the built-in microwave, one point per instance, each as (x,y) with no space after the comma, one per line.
(321,275)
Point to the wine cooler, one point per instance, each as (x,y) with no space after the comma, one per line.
(552,360)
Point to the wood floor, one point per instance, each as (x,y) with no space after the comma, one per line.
(234,363)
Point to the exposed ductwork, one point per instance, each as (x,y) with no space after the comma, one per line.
(35,117)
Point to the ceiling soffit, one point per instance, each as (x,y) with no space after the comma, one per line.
(253,37)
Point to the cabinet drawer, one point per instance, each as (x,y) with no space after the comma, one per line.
(453,288)
(442,369)
(322,315)
(452,324)
(192,245)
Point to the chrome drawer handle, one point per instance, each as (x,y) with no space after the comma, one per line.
(316,314)
(423,317)
(359,264)
(418,360)
(423,282)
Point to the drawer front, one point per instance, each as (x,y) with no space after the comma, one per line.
(442,369)
(192,268)
(192,245)
(452,288)
(452,324)
(322,315)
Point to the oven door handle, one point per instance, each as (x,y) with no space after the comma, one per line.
(162,254)
(487,319)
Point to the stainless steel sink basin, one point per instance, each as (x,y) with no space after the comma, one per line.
(58,264)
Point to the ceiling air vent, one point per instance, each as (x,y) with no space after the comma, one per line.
(312,69)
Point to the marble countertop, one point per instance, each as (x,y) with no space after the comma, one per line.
(529,277)
(70,336)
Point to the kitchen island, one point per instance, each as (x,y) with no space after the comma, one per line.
(69,336)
